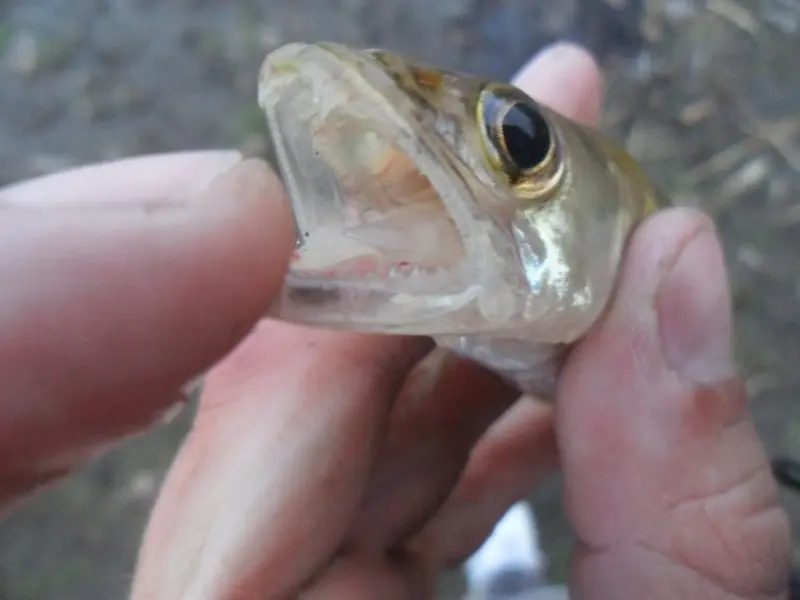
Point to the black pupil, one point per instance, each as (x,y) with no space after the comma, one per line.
(526,136)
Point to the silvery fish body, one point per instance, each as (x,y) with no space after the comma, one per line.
(429,202)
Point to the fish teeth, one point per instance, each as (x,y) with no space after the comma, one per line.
(405,272)
(417,271)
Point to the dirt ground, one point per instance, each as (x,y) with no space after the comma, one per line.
(704,93)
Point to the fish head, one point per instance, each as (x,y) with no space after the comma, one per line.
(432,202)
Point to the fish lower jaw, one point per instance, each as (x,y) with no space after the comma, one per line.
(387,277)
(534,367)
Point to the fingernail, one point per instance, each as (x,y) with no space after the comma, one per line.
(220,170)
(694,312)
(243,180)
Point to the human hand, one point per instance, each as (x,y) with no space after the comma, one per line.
(315,469)
(121,282)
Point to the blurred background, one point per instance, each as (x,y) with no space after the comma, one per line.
(705,93)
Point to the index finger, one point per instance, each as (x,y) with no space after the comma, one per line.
(177,176)
(108,309)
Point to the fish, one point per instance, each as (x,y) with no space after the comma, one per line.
(431,202)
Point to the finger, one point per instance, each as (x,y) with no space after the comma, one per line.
(368,577)
(566,78)
(445,407)
(111,311)
(517,452)
(666,482)
(275,467)
(156,177)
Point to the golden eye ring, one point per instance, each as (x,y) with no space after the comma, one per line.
(517,137)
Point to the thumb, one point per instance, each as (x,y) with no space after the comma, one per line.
(666,482)
(115,305)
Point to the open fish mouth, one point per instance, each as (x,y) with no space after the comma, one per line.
(372,200)
(383,217)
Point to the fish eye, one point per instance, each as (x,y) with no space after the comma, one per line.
(516,134)
(523,135)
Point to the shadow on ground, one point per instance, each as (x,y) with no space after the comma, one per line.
(705,94)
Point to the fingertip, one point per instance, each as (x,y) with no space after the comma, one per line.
(694,310)
(248,209)
(567,78)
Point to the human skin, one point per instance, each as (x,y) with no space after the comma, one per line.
(313,468)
